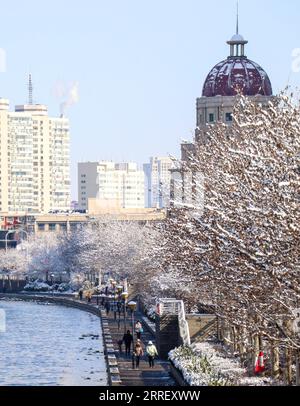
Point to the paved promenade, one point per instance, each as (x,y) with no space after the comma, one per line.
(144,376)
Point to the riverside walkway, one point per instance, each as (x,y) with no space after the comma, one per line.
(144,376)
(120,368)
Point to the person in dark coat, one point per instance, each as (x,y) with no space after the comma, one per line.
(120,343)
(107,307)
(127,339)
(80,294)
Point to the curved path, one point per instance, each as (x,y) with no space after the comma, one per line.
(144,376)
(120,368)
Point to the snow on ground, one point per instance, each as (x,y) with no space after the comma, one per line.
(206,364)
(41,286)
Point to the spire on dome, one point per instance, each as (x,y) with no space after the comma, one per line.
(237,42)
(237,18)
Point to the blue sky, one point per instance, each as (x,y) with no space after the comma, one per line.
(140,64)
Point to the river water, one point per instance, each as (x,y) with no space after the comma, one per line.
(49,345)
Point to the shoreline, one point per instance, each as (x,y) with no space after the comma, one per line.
(58,300)
(66,302)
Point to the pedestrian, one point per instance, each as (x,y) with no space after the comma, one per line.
(138,329)
(127,339)
(119,307)
(107,307)
(120,342)
(89,296)
(151,352)
(80,294)
(137,354)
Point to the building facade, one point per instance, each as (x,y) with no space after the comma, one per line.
(233,76)
(157,182)
(119,185)
(34,160)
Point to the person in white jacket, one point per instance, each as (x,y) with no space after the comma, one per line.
(151,351)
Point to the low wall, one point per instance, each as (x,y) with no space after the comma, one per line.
(177,375)
(11,286)
(197,324)
(62,301)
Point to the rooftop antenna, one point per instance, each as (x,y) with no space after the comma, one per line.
(30,90)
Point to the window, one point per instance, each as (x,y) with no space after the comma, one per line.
(41,227)
(211,118)
(63,227)
(52,227)
(228,117)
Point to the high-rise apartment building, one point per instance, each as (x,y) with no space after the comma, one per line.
(158,181)
(34,160)
(113,185)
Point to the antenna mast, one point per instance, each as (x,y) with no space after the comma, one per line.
(237,18)
(30,90)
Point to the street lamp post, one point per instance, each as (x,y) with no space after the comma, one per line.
(99,279)
(52,278)
(114,283)
(14,231)
(132,307)
(6,237)
(124,296)
(119,291)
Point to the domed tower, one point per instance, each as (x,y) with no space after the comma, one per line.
(236,74)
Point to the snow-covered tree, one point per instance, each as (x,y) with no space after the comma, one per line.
(121,248)
(44,259)
(242,254)
(13,263)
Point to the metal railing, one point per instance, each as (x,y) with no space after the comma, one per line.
(176,307)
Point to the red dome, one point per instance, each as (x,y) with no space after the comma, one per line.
(236,74)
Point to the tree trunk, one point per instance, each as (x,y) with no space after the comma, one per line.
(260,342)
(275,360)
(288,366)
(221,336)
(297,368)
(250,355)
(288,375)
(218,329)
(241,344)
(234,339)
(231,338)
(9,283)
